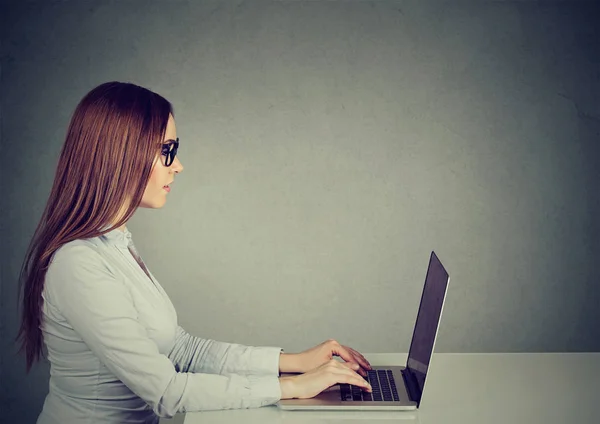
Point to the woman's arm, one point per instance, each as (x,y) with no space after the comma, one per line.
(197,355)
(101,310)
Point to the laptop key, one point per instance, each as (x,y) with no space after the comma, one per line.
(382,382)
(345,392)
(356,393)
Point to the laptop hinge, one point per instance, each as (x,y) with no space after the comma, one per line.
(411,385)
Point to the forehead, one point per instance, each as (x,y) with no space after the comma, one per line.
(171,131)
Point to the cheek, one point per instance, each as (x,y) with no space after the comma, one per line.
(156,177)
(153,179)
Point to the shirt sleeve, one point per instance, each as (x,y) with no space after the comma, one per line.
(101,310)
(194,354)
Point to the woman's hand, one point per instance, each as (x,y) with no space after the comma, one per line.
(321,354)
(313,382)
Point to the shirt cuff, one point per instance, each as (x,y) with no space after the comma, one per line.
(266,389)
(265,360)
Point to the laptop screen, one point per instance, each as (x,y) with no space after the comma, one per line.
(428,319)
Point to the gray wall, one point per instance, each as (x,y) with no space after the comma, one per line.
(328,148)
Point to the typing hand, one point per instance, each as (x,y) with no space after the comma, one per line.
(313,382)
(324,352)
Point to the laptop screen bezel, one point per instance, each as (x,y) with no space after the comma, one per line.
(417,394)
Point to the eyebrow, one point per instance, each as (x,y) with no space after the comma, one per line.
(169,141)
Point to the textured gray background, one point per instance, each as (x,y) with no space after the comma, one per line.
(328,148)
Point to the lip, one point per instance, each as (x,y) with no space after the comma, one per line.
(167,189)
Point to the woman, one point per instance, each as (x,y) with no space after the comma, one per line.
(116,352)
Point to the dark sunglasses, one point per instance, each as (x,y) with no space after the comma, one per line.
(169,150)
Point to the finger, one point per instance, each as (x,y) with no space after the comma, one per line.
(356,361)
(362,361)
(354,367)
(345,369)
(342,352)
(345,375)
(359,357)
(345,354)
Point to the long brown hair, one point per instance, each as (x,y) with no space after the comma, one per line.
(113,139)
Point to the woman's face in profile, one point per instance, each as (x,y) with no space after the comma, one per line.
(155,194)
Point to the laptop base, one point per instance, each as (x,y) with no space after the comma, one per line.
(330,399)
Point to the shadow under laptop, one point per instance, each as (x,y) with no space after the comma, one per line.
(335,417)
(274,415)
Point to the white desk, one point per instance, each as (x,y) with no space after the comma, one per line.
(548,388)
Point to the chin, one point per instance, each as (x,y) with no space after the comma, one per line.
(157,204)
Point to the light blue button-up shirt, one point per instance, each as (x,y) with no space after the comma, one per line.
(117,354)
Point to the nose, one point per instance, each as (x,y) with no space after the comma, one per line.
(176,165)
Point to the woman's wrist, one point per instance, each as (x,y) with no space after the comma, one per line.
(287,387)
(290,362)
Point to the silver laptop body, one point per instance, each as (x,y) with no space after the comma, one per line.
(409,380)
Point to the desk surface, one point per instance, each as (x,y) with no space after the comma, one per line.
(469,388)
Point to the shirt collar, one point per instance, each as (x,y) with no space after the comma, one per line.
(118,237)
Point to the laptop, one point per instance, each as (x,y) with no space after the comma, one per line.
(394,387)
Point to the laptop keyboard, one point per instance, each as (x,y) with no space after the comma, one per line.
(383,384)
